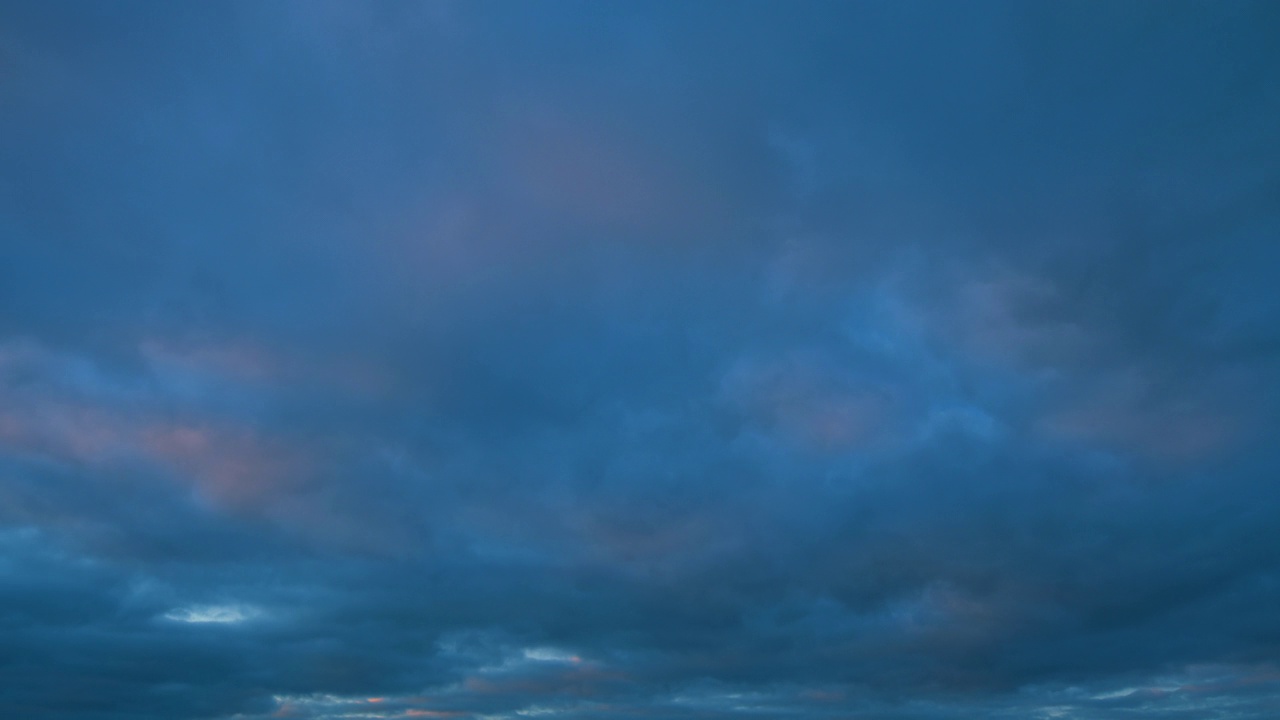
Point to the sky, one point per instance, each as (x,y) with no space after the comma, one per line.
(891,360)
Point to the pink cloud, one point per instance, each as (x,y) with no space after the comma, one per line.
(288,710)
(64,431)
(995,316)
(258,367)
(805,401)
(576,681)
(570,164)
(74,414)
(673,542)
(232,467)
(1122,413)
(239,361)
(824,696)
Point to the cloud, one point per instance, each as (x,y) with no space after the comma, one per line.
(703,361)
(211,614)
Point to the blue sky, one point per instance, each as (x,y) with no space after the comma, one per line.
(496,360)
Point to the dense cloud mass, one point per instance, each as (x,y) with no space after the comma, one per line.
(488,360)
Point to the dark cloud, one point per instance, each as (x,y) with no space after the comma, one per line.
(496,360)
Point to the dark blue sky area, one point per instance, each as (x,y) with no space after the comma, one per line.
(654,361)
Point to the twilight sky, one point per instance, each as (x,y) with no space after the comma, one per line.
(654,361)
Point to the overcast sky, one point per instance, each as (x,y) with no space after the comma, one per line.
(654,361)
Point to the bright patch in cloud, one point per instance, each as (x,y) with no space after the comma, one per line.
(226,614)
(548,654)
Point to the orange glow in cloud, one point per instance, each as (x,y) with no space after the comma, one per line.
(76,422)
(232,467)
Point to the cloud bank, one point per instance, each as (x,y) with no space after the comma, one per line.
(586,360)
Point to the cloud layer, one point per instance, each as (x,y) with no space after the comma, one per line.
(584,360)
